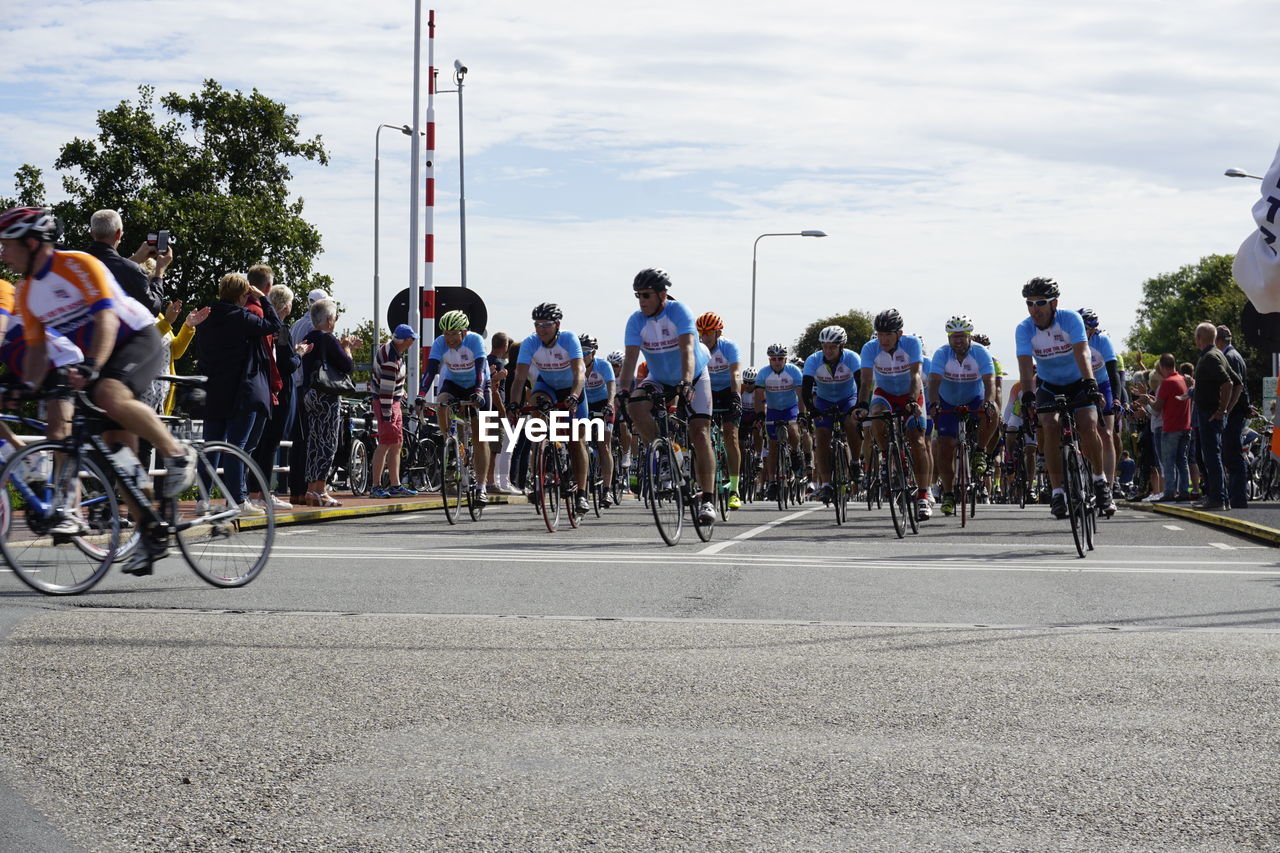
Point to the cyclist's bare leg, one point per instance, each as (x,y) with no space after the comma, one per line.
(1050,443)
(732,452)
(700,433)
(1091,441)
(641,413)
(115,398)
(921,464)
(581,461)
(947,461)
(822,454)
(604,451)
(479,449)
(1105,430)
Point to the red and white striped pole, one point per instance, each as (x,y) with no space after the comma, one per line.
(415,149)
(429,248)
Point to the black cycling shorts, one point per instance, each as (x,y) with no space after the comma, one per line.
(1075,392)
(136,361)
(726,405)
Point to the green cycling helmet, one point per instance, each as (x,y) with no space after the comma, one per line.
(454,321)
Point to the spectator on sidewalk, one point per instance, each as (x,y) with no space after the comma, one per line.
(287,360)
(1174,406)
(387,382)
(230,345)
(107,230)
(500,456)
(1232,448)
(1216,391)
(298,450)
(320,411)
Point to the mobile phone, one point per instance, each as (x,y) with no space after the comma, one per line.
(162,242)
(151,238)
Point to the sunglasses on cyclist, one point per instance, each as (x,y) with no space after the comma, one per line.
(544,324)
(1039,303)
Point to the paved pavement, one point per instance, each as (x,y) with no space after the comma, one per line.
(394,684)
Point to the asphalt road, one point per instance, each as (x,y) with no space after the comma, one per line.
(394,684)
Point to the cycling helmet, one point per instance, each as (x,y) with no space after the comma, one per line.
(889,320)
(750,374)
(37,222)
(588,343)
(548,311)
(1040,288)
(651,279)
(960,323)
(982,339)
(615,358)
(710,322)
(776,350)
(454,321)
(1090,317)
(833,335)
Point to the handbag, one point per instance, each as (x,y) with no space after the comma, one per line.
(326,380)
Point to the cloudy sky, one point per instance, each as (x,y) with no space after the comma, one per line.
(950,150)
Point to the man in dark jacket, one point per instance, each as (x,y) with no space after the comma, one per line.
(107,230)
(1232,451)
(1215,394)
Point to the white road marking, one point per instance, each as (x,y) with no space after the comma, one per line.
(1223,546)
(720,546)
(749,561)
(1171,527)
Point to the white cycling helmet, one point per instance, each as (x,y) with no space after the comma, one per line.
(960,323)
(777,351)
(615,358)
(750,374)
(833,335)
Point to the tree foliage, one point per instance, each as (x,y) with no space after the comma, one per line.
(857,323)
(213,170)
(1173,304)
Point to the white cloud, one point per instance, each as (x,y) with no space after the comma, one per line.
(951,150)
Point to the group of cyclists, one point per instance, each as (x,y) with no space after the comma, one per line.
(786,410)
(67,301)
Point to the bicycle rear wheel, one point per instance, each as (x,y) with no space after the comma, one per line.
(568,485)
(666,495)
(961,484)
(359,475)
(222,545)
(452,479)
(839,481)
(548,485)
(46,489)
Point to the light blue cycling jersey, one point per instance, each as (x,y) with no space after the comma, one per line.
(722,360)
(962,378)
(599,375)
(892,370)
(1100,352)
(552,364)
(1051,347)
(659,338)
(459,365)
(781,390)
(835,385)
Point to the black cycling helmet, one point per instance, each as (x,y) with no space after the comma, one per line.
(889,320)
(980,338)
(1089,316)
(651,279)
(1040,288)
(588,343)
(548,311)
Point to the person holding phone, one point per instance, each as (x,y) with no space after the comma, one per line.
(107,230)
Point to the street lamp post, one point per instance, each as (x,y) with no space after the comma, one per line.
(753,277)
(1240,173)
(377,169)
(459,72)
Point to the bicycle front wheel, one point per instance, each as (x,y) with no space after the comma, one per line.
(961,485)
(452,481)
(222,543)
(899,494)
(1076,506)
(666,494)
(549,485)
(47,489)
(839,481)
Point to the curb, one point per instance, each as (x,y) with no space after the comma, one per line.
(1249,529)
(337,513)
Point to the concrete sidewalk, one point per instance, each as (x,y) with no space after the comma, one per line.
(1260,521)
(357,507)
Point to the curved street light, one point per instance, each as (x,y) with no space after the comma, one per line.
(811,233)
(377,169)
(1240,173)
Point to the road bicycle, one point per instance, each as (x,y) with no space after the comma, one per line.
(457,472)
(900,483)
(721,454)
(841,481)
(1077,478)
(669,462)
(965,489)
(554,480)
(64,527)
(420,453)
(356,443)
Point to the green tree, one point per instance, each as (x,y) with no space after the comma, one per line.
(363,354)
(1173,304)
(213,171)
(857,323)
